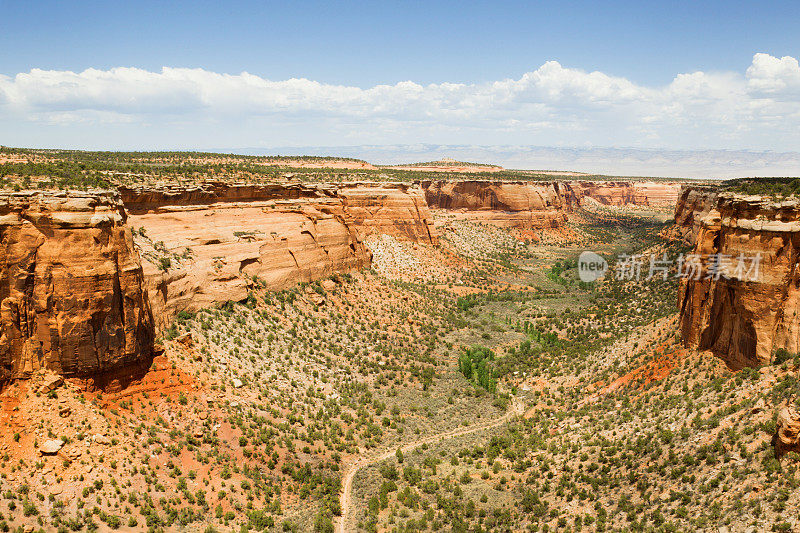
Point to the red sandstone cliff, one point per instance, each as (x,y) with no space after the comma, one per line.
(744,321)
(203,245)
(78,297)
(620,193)
(215,250)
(71,286)
(693,204)
(397,209)
(521,204)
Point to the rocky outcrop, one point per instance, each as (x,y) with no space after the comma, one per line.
(476,195)
(199,256)
(540,204)
(397,209)
(89,278)
(744,316)
(71,287)
(520,204)
(208,244)
(693,204)
(787,434)
(139,200)
(622,193)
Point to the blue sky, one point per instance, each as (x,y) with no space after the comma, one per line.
(367,43)
(200,75)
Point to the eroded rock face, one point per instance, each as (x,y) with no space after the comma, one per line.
(620,193)
(203,246)
(520,204)
(397,209)
(143,199)
(743,319)
(214,251)
(693,204)
(540,204)
(71,297)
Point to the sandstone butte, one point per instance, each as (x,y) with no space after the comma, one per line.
(741,320)
(88,279)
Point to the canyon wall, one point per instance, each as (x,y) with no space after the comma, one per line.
(199,256)
(743,316)
(538,204)
(693,204)
(520,204)
(71,287)
(204,245)
(89,278)
(397,209)
(622,193)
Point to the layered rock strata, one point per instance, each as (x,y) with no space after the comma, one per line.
(540,204)
(743,317)
(199,256)
(211,243)
(693,204)
(71,286)
(520,204)
(622,193)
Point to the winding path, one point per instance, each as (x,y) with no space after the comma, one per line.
(517,408)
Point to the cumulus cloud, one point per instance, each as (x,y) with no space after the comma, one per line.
(770,76)
(552,104)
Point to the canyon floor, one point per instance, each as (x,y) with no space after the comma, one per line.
(256,411)
(474,385)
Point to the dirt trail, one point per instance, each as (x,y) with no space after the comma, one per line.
(517,408)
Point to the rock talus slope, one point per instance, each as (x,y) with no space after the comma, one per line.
(71,287)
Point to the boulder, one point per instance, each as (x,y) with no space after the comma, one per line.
(50,382)
(787,434)
(51,447)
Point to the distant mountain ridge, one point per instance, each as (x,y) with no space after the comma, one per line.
(612,161)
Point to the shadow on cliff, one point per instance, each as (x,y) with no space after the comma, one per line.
(119,379)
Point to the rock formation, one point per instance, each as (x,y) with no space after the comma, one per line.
(693,204)
(79,298)
(396,209)
(71,293)
(203,245)
(520,204)
(89,278)
(540,204)
(620,193)
(743,317)
(199,256)
(787,434)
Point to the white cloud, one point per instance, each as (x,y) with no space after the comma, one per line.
(552,105)
(770,76)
